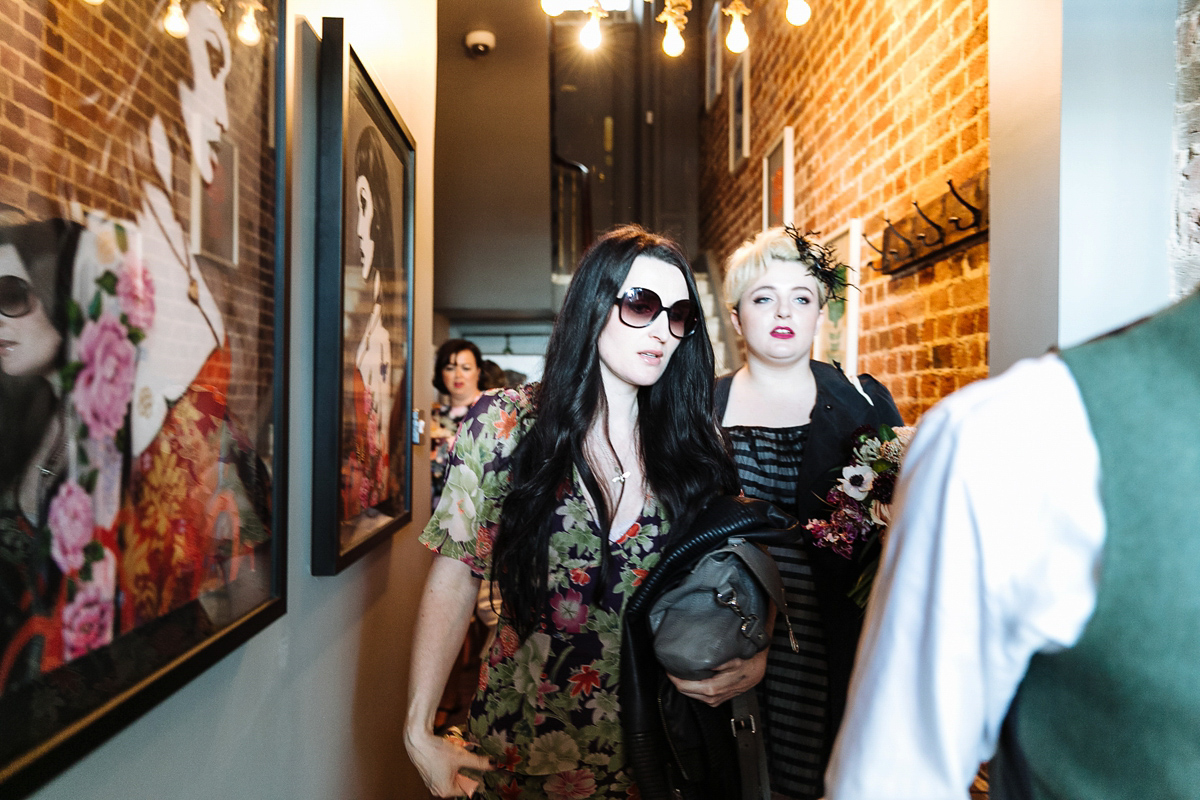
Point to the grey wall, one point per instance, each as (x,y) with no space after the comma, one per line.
(492,204)
(312,707)
(1082,104)
(1186,242)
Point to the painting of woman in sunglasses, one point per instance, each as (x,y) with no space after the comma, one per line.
(161,497)
(35,282)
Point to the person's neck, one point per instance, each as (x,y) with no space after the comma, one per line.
(621,399)
(773,376)
(463,401)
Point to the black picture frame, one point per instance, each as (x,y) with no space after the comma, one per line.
(52,719)
(362,431)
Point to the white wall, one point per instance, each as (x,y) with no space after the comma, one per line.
(313,706)
(1082,104)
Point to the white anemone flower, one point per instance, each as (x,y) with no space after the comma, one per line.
(857,481)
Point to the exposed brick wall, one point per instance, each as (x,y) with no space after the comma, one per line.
(68,123)
(888,101)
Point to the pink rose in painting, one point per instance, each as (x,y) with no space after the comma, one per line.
(87,621)
(575,784)
(70,525)
(570,614)
(105,384)
(135,292)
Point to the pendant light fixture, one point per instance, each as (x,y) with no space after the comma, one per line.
(737,40)
(675,17)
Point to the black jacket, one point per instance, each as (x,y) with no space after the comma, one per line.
(671,741)
(839,411)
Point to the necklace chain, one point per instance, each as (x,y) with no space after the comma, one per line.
(193,284)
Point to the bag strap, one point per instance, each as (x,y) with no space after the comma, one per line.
(752,751)
(764,570)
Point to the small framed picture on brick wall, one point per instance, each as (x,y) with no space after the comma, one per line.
(214,229)
(712,57)
(837,332)
(739,111)
(779,182)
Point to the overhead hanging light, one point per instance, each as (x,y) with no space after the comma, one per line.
(94,2)
(589,37)
(737,40)
(553,7)
(798,12)
(675,16)
(174,22)
(247,30)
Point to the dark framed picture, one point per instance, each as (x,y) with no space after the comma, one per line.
(739,111)
(214,228)
(779,196)
(142,386)
(362,451)
(713,51)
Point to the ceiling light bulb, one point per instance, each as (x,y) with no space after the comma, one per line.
(93,2)
(552,7)
(174,22)
(589,37)
(737,40)
(247,30)
(673,40)
(798,12)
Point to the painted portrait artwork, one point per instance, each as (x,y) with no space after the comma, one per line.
(138,383)
(362,428)
(375,321)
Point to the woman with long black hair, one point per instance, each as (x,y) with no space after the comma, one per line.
(565,493)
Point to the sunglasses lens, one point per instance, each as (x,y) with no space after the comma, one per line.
(14,296)
(683,318)
(639,307)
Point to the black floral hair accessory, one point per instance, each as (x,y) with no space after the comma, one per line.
(822,261)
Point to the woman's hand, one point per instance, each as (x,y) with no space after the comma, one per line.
(731,679)
(439,758)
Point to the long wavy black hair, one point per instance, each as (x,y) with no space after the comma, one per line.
(685,459)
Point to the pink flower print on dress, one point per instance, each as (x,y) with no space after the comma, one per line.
(135,292)
(70,526)
(87,621)
(575,784)
(105,384)
(570,614)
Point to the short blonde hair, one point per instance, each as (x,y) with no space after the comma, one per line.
(750,261)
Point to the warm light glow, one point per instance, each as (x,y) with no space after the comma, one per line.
(174,22)
(798,12)
(589,37)
(247,29)
(737,40)
(94,2)
(673,41)
(553,7)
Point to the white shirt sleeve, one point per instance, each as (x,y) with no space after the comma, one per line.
(993,555)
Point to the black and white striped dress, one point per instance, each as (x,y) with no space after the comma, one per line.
(793,694)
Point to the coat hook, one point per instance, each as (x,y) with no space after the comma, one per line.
(941,233)
(976,214)
(873,247)
(899,236)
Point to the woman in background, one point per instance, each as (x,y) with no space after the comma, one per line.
(457,375)
(791,421)
(566,493)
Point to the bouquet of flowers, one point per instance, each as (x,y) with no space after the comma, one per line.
(862,501)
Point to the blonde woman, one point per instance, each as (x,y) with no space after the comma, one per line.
(790,420)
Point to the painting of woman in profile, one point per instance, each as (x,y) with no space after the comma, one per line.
(374,453)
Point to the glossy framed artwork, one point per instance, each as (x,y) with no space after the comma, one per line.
(362,452)
(142,372)
(837,331)
(779,175)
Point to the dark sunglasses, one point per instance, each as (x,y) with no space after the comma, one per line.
(15,298)
(640,307)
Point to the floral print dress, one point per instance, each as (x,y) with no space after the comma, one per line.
(546,711)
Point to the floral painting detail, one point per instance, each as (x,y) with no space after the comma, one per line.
(70,521)
(104,386)
(135,293)
(87,621)
(861,501)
